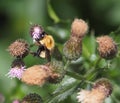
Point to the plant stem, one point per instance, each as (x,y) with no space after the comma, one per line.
(75,75)
(99,59)
(78,77)
(67,64)
(91,71)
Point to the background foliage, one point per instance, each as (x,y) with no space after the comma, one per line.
(56,16)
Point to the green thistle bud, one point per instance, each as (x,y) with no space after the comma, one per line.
(104,86)
(57,71)
(107,47)
(73,48)
(32,98)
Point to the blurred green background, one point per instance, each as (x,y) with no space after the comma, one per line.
(55,16)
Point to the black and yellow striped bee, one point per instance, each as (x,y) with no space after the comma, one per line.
(44,42)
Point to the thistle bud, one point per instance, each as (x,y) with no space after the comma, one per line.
(79,28)
(73,48)
(19,48)
(104,86)
(32,98)
(36,75)
(57,71)
(17,62)
(107,47)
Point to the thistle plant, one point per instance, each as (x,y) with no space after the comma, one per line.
(72,70)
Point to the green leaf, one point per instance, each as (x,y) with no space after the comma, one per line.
(52,13)
(63,96)
(89,47)
(66,88)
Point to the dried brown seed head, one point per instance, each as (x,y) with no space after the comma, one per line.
(36,75)
(19,48)
(107,47)
(79,28)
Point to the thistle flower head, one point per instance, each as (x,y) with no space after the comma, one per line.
(73,48)
(104,86)
(79,28)
(19,48)
(82,95)
(100,91)
(107,47)
(36,75)
(32,98)
(91,96)
(36,32)
(16,72)
(56,71)
(17,69)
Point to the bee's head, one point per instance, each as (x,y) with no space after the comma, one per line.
(37,32)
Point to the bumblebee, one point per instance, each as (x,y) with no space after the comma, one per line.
(44,42)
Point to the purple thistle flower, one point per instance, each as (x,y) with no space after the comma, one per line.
(36,31)
(16,72)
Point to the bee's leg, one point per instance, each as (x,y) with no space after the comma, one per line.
(37,53)
(41,48)
(33,53)
(47,54)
